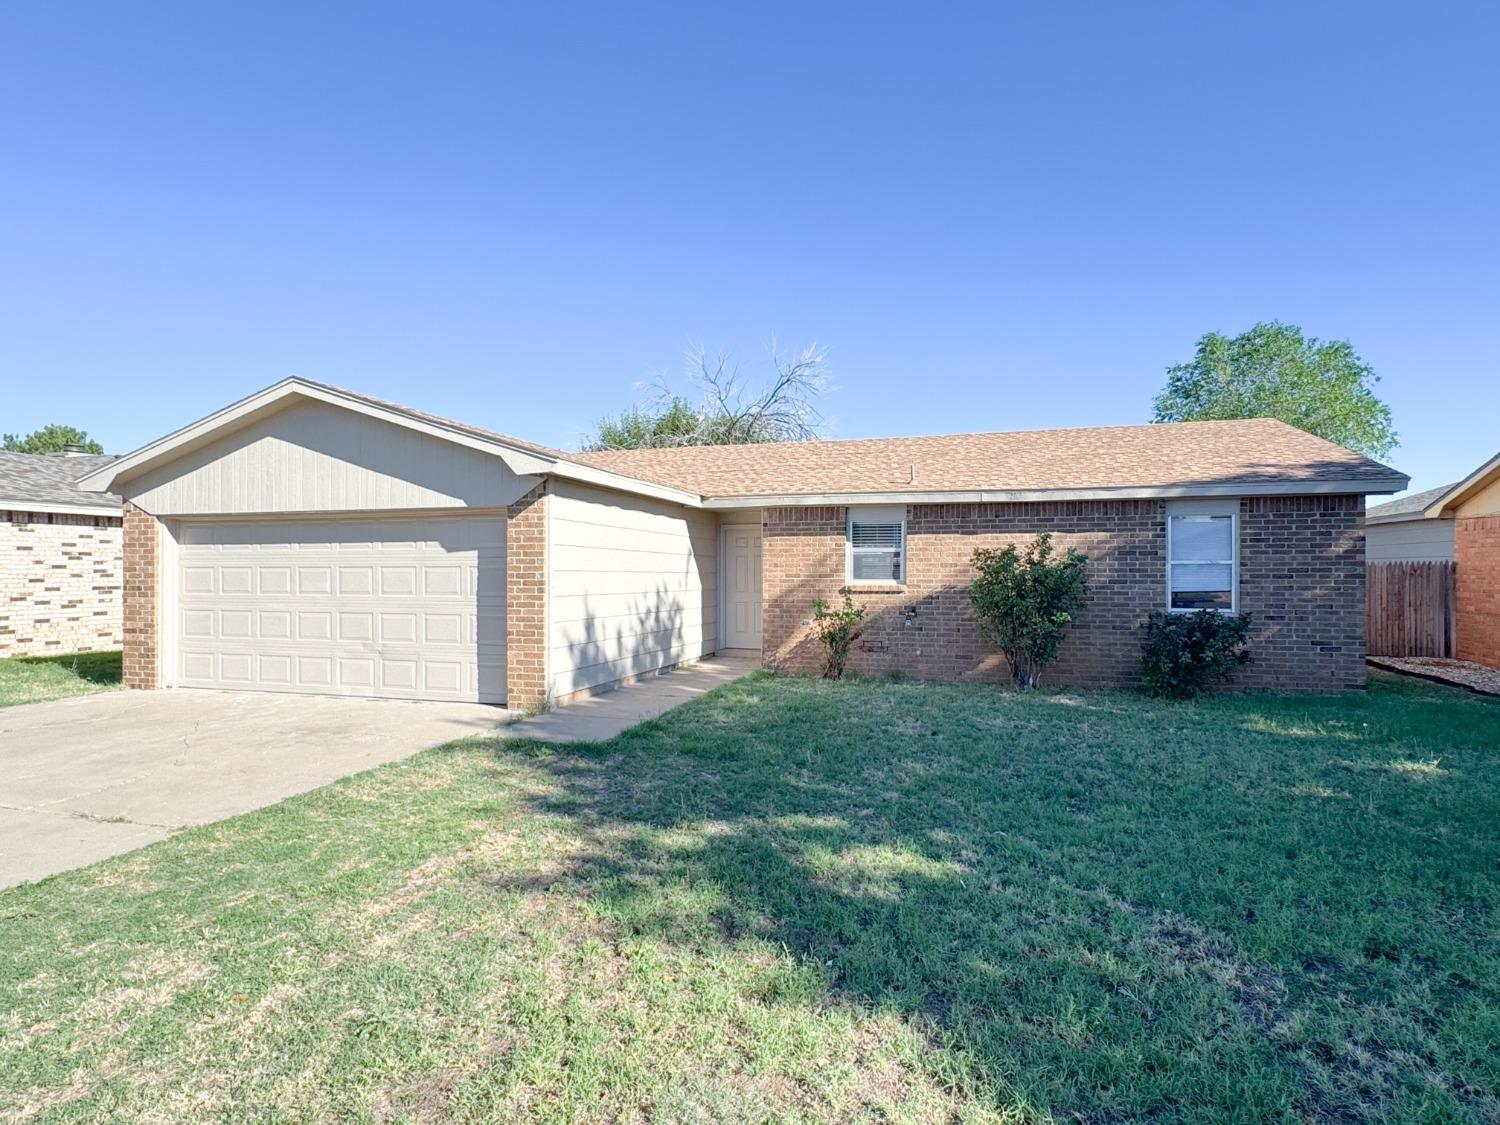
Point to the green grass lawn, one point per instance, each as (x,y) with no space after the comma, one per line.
(35,679)
(796,900)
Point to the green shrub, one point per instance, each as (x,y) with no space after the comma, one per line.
(1025,601)
(1186,652)
(838,629)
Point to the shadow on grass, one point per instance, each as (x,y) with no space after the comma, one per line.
(91,667)
(1114,911)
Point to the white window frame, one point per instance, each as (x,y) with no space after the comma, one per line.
(1230,508)
(872,515)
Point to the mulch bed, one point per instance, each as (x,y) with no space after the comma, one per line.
(1459,673)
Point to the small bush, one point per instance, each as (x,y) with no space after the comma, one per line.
(1186,652)
(1025,601)
(838,629)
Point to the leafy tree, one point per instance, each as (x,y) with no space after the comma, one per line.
(1274,371)
(1025,601)
(675,423)
(838,629)
(50,439)
(730,411)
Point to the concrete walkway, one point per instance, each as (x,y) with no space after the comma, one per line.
(84,779)
(601,717)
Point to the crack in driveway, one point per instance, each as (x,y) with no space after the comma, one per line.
(92,818)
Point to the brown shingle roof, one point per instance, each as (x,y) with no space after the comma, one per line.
(1254,451)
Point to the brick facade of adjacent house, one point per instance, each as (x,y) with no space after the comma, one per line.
(1476,554)
(526,600)
(60,578)
(142,664)
(1301,577)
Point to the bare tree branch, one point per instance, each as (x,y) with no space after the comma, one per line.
(729,411)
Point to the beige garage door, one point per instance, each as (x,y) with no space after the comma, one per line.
(405,609)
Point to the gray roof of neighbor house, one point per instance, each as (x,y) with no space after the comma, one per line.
(1409,507)
(1259,452)
(44,481)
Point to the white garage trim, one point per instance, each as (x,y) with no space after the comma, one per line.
(404,608)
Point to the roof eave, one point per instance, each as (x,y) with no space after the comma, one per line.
(1481,477)
(1394,483)
(588,474)
(54,509)
(1418,516)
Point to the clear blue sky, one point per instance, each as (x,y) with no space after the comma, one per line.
(1000,217)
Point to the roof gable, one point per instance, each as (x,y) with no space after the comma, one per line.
(521,457)
(1476,482)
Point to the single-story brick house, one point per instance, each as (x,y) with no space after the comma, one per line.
(1457,523)
(312,539)
(60,569)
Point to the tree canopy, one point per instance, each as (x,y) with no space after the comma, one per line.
(1274,371)
(731,409)
(50,439)
(653,426)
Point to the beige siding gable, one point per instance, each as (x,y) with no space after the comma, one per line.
(1485,502)
(313,457)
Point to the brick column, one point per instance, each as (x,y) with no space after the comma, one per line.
(1476,553)
(802,560)
(142,548)
(526,600)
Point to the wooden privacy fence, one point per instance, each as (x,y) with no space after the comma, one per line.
(1409,609)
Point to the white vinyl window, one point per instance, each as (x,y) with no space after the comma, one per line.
(877,545)
(1202,560)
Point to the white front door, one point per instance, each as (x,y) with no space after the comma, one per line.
(739,586)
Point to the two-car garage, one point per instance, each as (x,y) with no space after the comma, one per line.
(395,608)
(309,539)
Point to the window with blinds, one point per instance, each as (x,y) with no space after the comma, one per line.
(1200,560)
(877,545)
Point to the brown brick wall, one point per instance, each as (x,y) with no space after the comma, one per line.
(142,586)
(526,600)
(1476,553)
(60,581)
(1302,576)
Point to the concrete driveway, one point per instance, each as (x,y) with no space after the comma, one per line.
(84,779)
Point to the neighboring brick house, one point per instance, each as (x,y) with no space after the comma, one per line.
(60,565)
(313,539)
(1458,523)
